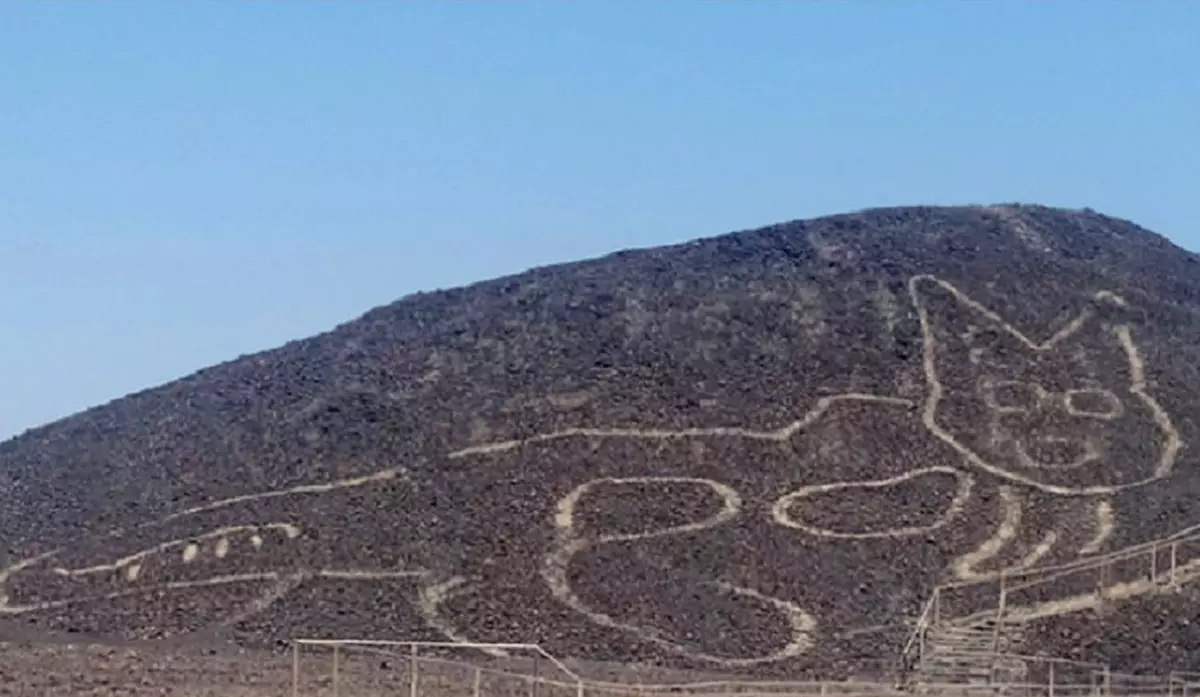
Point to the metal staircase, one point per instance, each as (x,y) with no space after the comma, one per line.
(969,633)
(969,655)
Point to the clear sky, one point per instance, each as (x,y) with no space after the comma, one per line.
(182,183)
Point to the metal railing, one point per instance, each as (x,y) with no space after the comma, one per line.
(1024,594)
(404,669)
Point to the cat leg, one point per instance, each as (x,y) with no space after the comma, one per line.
(1035,530)
(574,544)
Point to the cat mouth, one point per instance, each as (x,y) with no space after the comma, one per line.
(1055,453)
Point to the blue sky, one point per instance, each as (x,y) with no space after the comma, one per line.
(182,183)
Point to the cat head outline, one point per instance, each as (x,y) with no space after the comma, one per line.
(1070,415)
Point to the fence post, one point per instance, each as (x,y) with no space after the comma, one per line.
(1001,608)
(1051,684)
(295,668)
(336,660)
(533,685)
(412,672)
(475,684)
(1174,547)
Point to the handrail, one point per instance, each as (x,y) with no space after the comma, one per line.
(443,645)
(924,621)
(1186,535)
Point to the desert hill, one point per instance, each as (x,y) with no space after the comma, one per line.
(757,452)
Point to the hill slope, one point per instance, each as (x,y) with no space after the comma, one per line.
(757,452)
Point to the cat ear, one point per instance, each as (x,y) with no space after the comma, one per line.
(956,329)
(961,332)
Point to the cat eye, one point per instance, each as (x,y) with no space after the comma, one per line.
(1012,396)
(1093,403)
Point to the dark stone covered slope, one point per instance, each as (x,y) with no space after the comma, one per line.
(755,452)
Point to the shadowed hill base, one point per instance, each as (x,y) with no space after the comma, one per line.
(753,453)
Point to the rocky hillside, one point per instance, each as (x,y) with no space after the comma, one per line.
(757,452)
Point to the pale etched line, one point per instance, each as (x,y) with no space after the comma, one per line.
(188,543)
(1006,532)
(214,581)
(936,390)
(1091,454)
(19,566)
(781,434)
(133,567)
(781,511)
(362,575)
(1116,409)
(381,476)
(430,602)
(1105,525)
(556,565)
(1038,552)
(802,624)
(1071,327)
(1137,366)
(731,505)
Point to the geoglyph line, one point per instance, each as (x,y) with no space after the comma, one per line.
(1006,532)
(291,531)
(779,435)
(731,506)
(781,511)
(1123,333)
(1105,524)
(225,580)
(568,544)
(290,579)
(434,596)
(1039,551)
(381,476)
(132,564)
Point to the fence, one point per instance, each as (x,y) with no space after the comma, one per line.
(1025,594)
(349,668)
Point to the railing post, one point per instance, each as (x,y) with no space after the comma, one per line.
(1174,548)
(937,605)
(1001,608)
(1050,685)
(295,668)
(1154,563)
(412,672)
(336,660)
(921,647)
(475,684)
